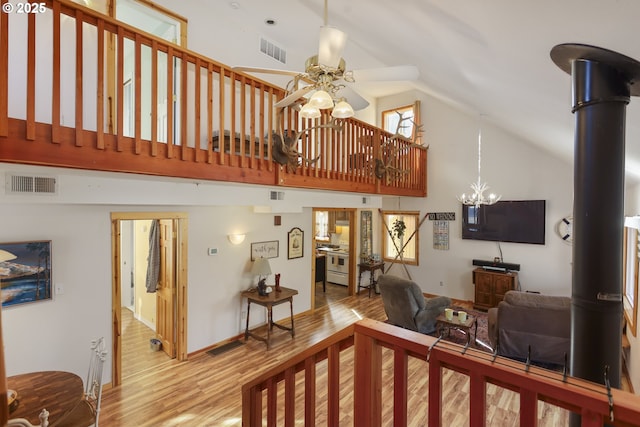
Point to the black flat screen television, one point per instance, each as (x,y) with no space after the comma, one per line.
(519,221)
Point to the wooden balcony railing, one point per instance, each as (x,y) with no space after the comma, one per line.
(382,384)
(81,90)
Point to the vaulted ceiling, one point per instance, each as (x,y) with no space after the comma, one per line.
(488,57)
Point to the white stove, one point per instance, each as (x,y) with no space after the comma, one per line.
(338,266)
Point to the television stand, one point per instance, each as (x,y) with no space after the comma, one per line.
(491,286)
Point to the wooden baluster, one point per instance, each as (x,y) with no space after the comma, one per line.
(222,107)
(138,95)
(210,113)
(197,134)
(170,102)
(100,87)
(4,73)
(31,78)
(55,76)
(120,91)
(183,106)
(154,98)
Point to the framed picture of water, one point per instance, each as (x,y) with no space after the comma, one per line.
(25,272)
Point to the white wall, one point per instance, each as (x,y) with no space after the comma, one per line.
(77,221)
(513,169)
(632,208)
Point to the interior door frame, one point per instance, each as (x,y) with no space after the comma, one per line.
(353,232)
(181,220)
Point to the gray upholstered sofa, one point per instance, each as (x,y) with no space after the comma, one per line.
(527,319)
(406,305)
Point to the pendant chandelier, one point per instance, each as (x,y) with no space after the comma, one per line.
(477,197)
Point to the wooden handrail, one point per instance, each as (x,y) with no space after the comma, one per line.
(170,111)
(368,337)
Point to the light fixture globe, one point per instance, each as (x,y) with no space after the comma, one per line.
(308,111)
(342,110)
(321,99)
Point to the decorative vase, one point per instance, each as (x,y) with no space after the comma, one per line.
(278,283)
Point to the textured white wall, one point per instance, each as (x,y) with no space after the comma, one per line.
(513,169)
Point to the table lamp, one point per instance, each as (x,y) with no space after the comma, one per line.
(261,268)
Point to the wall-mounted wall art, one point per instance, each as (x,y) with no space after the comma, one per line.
(295,243)
(268,249)
(27,278)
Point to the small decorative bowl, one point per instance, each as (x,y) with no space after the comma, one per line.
(12,400)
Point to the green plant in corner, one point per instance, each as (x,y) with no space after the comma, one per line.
(398,228)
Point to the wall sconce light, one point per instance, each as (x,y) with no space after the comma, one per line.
(236,239)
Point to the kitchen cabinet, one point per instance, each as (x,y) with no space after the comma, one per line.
(335,216)
(491,287)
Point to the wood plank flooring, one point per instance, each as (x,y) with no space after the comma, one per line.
(206,390)
(136,349)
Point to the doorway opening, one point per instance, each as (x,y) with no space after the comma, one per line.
(334,255)
(137,313)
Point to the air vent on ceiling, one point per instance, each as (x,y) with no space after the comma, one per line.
(276,195)
(271,49)
(30,184)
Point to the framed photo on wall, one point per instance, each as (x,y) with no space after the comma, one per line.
(295,243)
(25,275)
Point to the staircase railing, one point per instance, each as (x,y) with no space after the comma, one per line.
(79,89)
(287,393)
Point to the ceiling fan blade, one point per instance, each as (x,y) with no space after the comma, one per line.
(293,97)
(330,47)
(395,73)
(257,70)
(356,101)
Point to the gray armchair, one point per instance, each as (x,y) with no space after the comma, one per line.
(406,305)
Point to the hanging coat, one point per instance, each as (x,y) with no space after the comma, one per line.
(153,260)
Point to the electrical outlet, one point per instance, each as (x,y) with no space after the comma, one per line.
(212,251)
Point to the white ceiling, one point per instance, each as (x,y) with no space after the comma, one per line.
(489,57)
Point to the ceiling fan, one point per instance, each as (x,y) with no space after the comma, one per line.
(327,79)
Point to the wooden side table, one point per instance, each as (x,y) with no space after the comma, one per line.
(371,268)
(472,322)
(272,299)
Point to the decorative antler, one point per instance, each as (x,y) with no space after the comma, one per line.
(284,151)
(387,169)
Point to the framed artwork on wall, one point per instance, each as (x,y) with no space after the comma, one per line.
(268,249)
(295,243)
(25,275)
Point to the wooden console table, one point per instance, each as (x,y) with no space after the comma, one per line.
(371,268)
(269,301)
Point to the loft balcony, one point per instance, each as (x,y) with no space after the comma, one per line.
(81,90)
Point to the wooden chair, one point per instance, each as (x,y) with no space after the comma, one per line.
(86,413)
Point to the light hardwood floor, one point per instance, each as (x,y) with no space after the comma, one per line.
(206,390)
(137,355)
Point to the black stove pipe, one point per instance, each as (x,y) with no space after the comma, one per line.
(602,85)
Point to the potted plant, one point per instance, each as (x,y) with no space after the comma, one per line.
(398,228)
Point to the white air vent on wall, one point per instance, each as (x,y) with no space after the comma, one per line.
(271,49)
(29,184)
